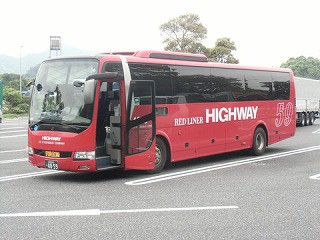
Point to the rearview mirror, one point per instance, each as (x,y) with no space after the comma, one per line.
(90,86)
(89,89)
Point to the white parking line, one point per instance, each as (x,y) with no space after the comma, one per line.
(13,160)
(27,175)
(13,136)
(169,176)
(13,123)
(11,128)
(315,177)
(17,150)
(317,131)
(97,212)
(14,131)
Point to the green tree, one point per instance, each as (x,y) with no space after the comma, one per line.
(222,52)
(14,102)
(12,96)
(8,77)
(304,67)
(184,34)
(13,81)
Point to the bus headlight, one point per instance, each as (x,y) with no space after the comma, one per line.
(85,155)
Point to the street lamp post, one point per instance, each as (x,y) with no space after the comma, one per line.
(20,68)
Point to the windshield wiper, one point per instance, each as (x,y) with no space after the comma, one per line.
(63,123)
(67,124)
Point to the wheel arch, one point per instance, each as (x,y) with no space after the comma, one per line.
(264,127)
(165,138)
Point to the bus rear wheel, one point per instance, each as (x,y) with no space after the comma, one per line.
(259,143)
(161,156)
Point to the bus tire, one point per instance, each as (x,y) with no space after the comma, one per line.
(307,119)
(161,156)
(259,142)
(302,122)
(311,118)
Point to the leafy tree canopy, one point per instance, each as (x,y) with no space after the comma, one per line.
(14,102)
(222,52)
(11,80)
(8,77)
(12,96)
(304,67)
(184,34)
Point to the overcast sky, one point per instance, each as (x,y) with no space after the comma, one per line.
(266,33)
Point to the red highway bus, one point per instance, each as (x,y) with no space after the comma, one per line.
(139,110)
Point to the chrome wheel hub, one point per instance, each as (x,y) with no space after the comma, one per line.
(158,155)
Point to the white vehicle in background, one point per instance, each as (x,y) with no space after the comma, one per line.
(307,100)
(1,99)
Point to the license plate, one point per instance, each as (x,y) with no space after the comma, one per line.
(52,165)
(52,154)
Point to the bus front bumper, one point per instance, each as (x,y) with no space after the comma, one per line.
(64,164)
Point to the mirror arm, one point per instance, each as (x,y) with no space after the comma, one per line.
(103,76)
(30,83)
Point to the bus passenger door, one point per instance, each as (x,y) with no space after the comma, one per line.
(140,126)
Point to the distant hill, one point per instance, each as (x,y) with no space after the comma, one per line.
(10,64)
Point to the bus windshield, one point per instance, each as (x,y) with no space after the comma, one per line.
(55,96)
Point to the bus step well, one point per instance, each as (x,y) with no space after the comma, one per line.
(100,151)
(104,163)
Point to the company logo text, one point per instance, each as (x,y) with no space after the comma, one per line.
(215,115)
(49,138)
(229,114)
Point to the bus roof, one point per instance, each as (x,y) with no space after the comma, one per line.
(178,58)
(169,58)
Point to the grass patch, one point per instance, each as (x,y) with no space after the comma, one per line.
(13,115)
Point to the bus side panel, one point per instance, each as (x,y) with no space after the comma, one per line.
(192,134)
(237,130)
(282,121)
(212,133)
(184,136)
(205,129)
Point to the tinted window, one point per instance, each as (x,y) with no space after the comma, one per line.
(191,84)
(281,85)
(258,85)
(159,74)
(114,67)
(188,84)
(228,85)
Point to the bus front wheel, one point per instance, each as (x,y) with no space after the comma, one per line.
(259,143)
(161,156)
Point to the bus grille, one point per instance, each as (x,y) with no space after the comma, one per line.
(41,152)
